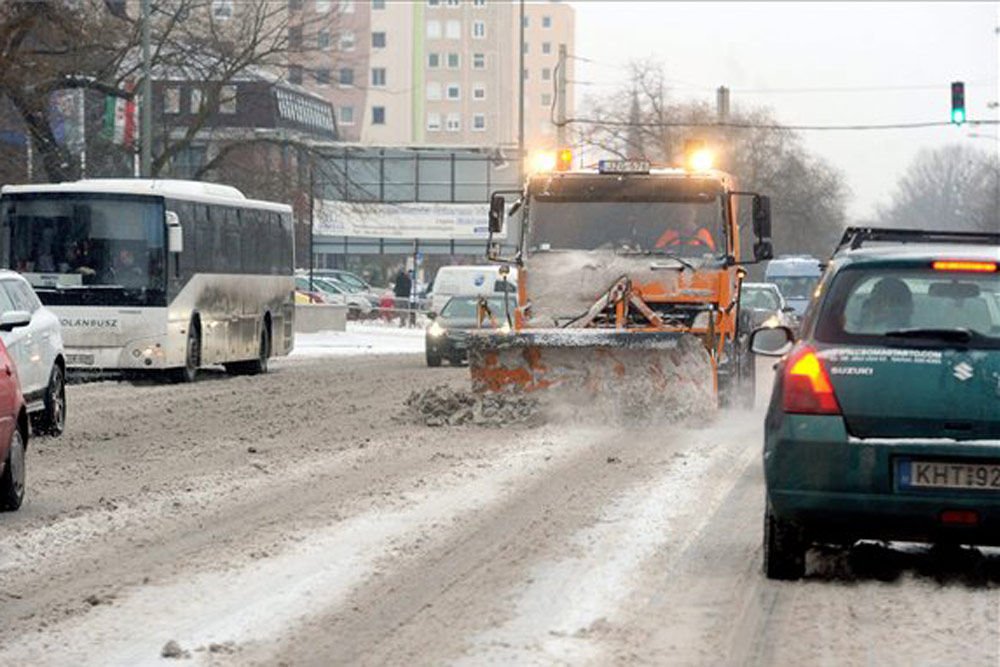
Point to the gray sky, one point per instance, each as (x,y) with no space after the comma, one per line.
(758,45)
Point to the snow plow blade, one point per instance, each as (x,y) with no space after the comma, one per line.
(604,373)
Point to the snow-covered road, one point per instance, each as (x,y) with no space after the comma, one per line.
(296,518)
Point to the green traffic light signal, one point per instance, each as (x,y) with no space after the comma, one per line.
(958,102)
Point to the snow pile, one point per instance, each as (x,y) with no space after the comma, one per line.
(360,339)
(443,405)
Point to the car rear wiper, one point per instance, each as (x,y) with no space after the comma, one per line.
(950,335)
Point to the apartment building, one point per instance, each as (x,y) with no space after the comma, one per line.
(434,72)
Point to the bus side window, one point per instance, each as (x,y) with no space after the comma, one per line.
(203,245)
(276,244)
(232,246)
(287,260)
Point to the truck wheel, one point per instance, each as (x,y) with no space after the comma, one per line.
(784,549)
(52,420)
(12,480)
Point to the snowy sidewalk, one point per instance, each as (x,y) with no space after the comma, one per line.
(360,338)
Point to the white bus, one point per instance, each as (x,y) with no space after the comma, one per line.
(156,275)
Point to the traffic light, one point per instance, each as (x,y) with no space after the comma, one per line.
(957,102)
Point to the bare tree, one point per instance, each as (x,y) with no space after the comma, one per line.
(640,120)
(954,187)
(52,45)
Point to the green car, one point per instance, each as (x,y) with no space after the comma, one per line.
(884,422)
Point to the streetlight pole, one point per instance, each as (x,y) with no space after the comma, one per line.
(520,93)
(146,159)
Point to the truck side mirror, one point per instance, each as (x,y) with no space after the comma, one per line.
(497,209)
(175,233)
(762,217)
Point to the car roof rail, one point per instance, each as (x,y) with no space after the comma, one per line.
(855,237)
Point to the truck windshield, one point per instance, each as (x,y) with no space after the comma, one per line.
(95,249)
(689,229)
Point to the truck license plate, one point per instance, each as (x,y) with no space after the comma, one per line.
(945,475)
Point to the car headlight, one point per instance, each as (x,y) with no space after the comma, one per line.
(435,330)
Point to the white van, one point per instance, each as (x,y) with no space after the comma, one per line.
(470,281)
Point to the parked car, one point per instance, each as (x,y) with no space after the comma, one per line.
(13,434)
(447,334)
(453,281)
(884,422)
(33,337)
(331,292)
(765,306)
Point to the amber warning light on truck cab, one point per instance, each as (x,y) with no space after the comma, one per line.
(961,265)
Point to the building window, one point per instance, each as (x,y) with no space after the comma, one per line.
(346,115)
(453,3)
(222,9)
(378,40)
(524,48)
(378,77)
(346,6)
(546,48)
(478,3)
(479,122)
(346,76)
(524,74)
(227,99)
(546,74)
(294,5)
(347,40)
(478,29)
(546,21)
(433,60)
(454,122)
(433,3)
(433,90)
(323,39)
(454,91)
(478,61)
(322,6)
(453,30)
(433,30)
(322,77)
(433,121)
(378,115)
(453,61)
(479,91)
(524,21)
(172,100)
(546,99)
(295,37)
(195,103)
(378,4)
(295,74)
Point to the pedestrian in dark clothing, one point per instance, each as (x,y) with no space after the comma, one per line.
(402,288)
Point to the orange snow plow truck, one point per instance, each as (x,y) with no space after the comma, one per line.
(628,290)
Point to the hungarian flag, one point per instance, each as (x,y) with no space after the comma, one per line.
(120,115)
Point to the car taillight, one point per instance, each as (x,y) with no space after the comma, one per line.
(807,386)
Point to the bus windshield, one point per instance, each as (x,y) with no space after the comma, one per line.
(88,249)
(689,229)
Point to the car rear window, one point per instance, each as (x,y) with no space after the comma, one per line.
(866,304)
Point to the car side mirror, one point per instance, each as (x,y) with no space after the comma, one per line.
(497,211)
(788,309)
(13,319)
(175,233)
(772,341)
(431,315)
(762,217)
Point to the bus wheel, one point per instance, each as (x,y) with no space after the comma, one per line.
(192,357)
(256,366)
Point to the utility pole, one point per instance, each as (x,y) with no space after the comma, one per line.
(520,94)
(722,104)
(561,99)
(147,96)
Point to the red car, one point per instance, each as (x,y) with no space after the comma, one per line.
(13,434)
